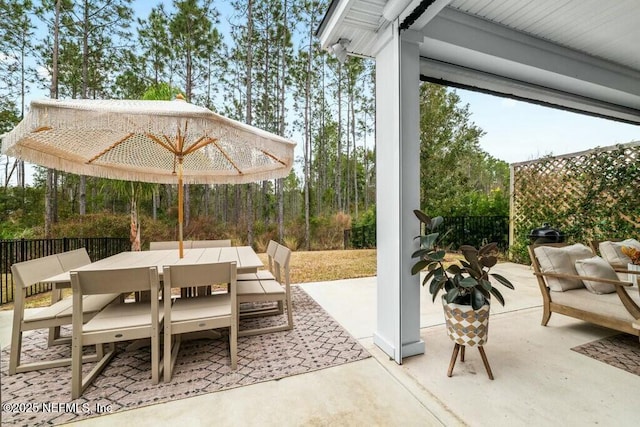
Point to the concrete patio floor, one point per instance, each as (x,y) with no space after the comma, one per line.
(539,381)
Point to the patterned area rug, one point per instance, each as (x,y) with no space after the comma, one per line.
(44,397)
(621,351)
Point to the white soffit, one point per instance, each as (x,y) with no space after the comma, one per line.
(606,29)
(555,52)
(357,21)
(576,54)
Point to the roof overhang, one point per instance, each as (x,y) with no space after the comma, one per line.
(569,54)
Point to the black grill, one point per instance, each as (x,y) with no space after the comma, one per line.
(546,234)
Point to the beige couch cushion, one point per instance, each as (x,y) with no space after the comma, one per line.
(596,267)
(608,305)
(562,260)
(612,251)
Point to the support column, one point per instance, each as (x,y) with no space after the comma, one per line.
(398,193)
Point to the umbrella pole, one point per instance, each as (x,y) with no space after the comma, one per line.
(180,209)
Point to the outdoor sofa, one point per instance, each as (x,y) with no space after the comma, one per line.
(575,282)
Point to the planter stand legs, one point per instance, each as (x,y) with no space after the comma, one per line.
(460,348)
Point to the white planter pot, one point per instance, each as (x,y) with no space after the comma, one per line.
(633,278)
(466,326)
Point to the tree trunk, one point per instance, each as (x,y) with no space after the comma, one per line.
(50,202)
(339,206)
(355,156)
(307,145)
(248,111)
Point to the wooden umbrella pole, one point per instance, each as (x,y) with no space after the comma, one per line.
(180,208)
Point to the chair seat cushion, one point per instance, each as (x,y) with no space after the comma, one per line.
(217,305)
(259,275)
(608,305)
(121,316)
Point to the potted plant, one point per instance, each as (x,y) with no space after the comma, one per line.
(466,286)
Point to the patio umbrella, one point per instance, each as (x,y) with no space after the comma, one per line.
(170,142)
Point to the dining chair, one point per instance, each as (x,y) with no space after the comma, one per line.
(202,313)
(69,260)
(259,291)
(26,274)
(119,321)
(263,274)
(173,244)
(225,243)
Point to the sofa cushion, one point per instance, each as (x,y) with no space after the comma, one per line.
(596,267)
(612,251)
(561,260)
(608,305)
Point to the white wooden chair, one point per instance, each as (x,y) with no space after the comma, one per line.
(173,244)
(73,259)
(69,260)
(201,313)
(225,243)
(263,274)
(26,274)
(120,321)
(278,290)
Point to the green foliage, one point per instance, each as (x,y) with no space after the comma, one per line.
(93,225)
(20,210)
(367,218)
(466,283)
(458,178)
(9,115)
(593,196)
(161,91)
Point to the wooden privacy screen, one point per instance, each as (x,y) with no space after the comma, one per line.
(588,195)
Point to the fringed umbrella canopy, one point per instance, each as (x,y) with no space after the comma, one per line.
(145,140)
(168,142)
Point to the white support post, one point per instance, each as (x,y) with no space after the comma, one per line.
(398,193)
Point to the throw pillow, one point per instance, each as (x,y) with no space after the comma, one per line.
(561,260)
(597,267)
(612,252)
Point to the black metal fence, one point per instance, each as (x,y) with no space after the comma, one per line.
(12,251)
(462,230)
(476,231)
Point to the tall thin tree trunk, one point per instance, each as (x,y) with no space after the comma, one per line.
(207,194)
(355,153)
(339,206)
(248,112)
(307,144)
(280,182)
(50,205)
(82,196)
(155,195)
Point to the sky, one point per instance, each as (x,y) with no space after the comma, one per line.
(518,131)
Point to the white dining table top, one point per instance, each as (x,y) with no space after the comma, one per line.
(245,257)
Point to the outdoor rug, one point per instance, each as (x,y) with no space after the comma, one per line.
(621,351)
(44,397)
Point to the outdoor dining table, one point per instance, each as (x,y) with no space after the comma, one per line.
(245,257)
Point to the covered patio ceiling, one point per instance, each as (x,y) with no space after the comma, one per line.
(580,55)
